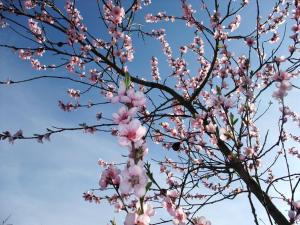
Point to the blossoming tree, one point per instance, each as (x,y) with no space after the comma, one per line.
(206,112)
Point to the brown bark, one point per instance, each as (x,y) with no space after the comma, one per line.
(254,187)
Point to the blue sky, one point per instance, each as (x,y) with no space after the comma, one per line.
(42,184)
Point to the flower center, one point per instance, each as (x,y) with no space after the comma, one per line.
(134,180)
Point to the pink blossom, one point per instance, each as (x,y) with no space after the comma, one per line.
(102,163)
(29,4)
(25,54)
(110,176)
(121,92)
(224,134)
(89,196)
(169,205)
(211,128)
(274,38)
(131,132)
(113,13)
(180,217)
(296,28)
(201,221)
(250,41)
(183,49)
(74,93)
(36,64)
(280,59)
(249,151)
(124,115)
(283,85)
(135,98)
(148,209)
(292,49)
(188,12)
(36,30)
(131,218)
(154,68)
(235,23)
(134,178)
(280,76)
(143,220)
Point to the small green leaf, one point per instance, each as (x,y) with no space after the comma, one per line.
(148,186)
(235,121)
(231,116)
(127,80)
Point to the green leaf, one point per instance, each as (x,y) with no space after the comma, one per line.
(148,186)
(234,121)
(127,80)
(231,117)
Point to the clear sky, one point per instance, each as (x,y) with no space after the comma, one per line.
(42,184)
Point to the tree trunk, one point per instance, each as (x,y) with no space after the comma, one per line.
(254,187)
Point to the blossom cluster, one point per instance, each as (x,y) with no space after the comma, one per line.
(36,30)
(132,180)
(283,85)
(114,16)
(76,30)
(154,67)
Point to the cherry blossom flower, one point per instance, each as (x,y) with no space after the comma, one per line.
(201,221)
(211,128)
(29,4)
(250,41)
(131,132)
(283,86)
(225,134)
(121,92)
(89,196)
(25,54)
(124,115)
(148,209)
(154,68)
(74,93)
(134,98)
(36,64)
(180,217)
(117,14)
(169,205)
(134,218)
(36,30)
(134,178)
(188,12)
(131,218)
(280,59)
(110,176)
(143,220)
(274,38)
(235,23)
